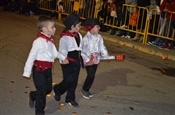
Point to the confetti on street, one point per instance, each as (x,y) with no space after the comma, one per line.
(61,104)
(49,95)
(74,113)
(109,113)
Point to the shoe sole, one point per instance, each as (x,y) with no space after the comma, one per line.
(84,96)
(71,104)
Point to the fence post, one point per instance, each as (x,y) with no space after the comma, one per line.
(145,37)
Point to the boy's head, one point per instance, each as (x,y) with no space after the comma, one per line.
(72,23)
(92,25)
(46,25)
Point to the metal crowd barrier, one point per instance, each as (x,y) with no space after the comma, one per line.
(121,22)
(148,24)
(48,5)
(160,26)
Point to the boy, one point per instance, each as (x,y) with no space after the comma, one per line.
(70,47)
(40,61)
(92,48)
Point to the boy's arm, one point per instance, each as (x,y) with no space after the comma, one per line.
(103,50)
(31,58)
(63,49)
(85,51)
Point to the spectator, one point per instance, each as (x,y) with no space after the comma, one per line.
(60,6)
(154,20)
(142,16)
(133,23)
(166,8)
(123,15)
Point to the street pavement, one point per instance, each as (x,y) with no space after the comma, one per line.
(120,88)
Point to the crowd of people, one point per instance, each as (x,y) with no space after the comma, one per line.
(114,12)
(24,7)
(134,17)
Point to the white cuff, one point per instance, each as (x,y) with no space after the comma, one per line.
(26,74)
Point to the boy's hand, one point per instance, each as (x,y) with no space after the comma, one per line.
(65,61)
(90,62)
(91,57)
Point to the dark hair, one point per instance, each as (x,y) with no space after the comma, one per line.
(42,20)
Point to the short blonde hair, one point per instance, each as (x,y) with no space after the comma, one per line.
(43,20)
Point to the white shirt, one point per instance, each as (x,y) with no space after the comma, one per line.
(93,44)
(67,44)
(42,50)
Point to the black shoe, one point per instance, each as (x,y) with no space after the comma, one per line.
(73,103)
(39,113)
(90,94)
(31,102)
(85,94)
(56,96)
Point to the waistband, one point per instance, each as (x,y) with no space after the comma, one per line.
(42,65)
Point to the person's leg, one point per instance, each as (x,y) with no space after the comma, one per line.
(74,74)
(91,70)
(62,87)
(132,34)
(40,81)
(49,80)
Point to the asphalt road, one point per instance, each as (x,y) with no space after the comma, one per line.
(141,85)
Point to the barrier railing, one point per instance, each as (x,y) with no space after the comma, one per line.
(121,22)
(85,8)
(146,25)
(160,25)
(48,5)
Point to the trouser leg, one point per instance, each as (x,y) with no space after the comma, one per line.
(43,83)
(91,70)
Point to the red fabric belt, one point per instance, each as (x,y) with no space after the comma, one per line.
(72,59)
(42,65)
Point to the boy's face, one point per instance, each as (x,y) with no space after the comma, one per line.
(95,29)
(50,28)
(77,27)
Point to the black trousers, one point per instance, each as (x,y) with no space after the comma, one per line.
(70,80)
(132,34)
(43,83)
(91,70)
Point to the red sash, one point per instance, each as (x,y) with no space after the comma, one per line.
(42,65)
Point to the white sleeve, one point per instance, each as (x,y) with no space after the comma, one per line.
(58,54)
(31,58)
(85,50)
(103,50)
(63,49)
